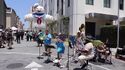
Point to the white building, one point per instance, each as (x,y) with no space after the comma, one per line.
(93,13)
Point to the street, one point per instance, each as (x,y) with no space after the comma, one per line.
(26,52)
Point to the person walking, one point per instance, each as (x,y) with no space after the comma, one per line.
(30,35)
(18,36)
(22,34)
(2,39)
(27,36)
(9,39)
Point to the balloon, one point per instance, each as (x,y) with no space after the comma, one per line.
(48,18)
(29,17)
(38,17)
(39,9)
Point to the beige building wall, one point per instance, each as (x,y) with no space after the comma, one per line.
(8,22)
(11,18)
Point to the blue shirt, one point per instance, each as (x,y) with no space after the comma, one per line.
(60,47)
(47,39)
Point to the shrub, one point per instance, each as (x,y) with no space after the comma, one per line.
(110,32)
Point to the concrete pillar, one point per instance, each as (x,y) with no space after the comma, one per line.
(77,17)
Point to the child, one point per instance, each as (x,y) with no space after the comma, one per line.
(60,50)
(47,44)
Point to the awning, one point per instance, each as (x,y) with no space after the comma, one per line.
(101,16)
(13,28)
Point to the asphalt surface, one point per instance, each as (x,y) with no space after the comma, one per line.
(26,52)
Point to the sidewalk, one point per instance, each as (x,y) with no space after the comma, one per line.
(113,50)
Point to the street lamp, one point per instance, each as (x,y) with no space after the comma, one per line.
(118,26)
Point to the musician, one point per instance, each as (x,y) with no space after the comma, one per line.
(47,44)
(87,53)
(103,51)
(47,41)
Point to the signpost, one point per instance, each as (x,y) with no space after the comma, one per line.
(39,17)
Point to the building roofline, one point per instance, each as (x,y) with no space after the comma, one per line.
(12,10)
(5,3)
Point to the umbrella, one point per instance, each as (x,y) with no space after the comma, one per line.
(14,28)
(1,30)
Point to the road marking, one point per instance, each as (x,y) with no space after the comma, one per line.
(100,66)
(34,66)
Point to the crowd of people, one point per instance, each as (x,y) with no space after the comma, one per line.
(6,38)
(84,48)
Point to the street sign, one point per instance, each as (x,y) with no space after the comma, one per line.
(34,66)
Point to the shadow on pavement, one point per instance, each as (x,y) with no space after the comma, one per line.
(76,69)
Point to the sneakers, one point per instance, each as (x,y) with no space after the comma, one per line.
(75,61)
(48,61)
(10,48)
(57,63)
(62,66)
(45,54)
(83,66)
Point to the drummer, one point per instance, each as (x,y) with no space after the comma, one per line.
(47,42)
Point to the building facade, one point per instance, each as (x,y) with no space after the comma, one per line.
(12,20)
(2,14)
(92,13)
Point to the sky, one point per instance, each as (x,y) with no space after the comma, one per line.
(22,7)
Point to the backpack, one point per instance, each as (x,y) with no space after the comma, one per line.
(9,35)
(41,36)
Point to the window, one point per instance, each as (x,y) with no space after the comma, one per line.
(90,2)
(68,3)
(57,6)
(121,4)
(51,12)
(62,7)
(107,3)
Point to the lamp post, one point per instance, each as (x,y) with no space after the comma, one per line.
(118,26)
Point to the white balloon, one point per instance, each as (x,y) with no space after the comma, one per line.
(40,9)
(49,18)
(29,17)
(41,26)
(36,4)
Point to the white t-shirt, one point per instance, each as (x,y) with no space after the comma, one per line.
(89,47)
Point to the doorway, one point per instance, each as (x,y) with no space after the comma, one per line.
(90,28)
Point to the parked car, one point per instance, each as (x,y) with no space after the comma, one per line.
(120,52)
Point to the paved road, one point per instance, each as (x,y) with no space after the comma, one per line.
(26,52)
